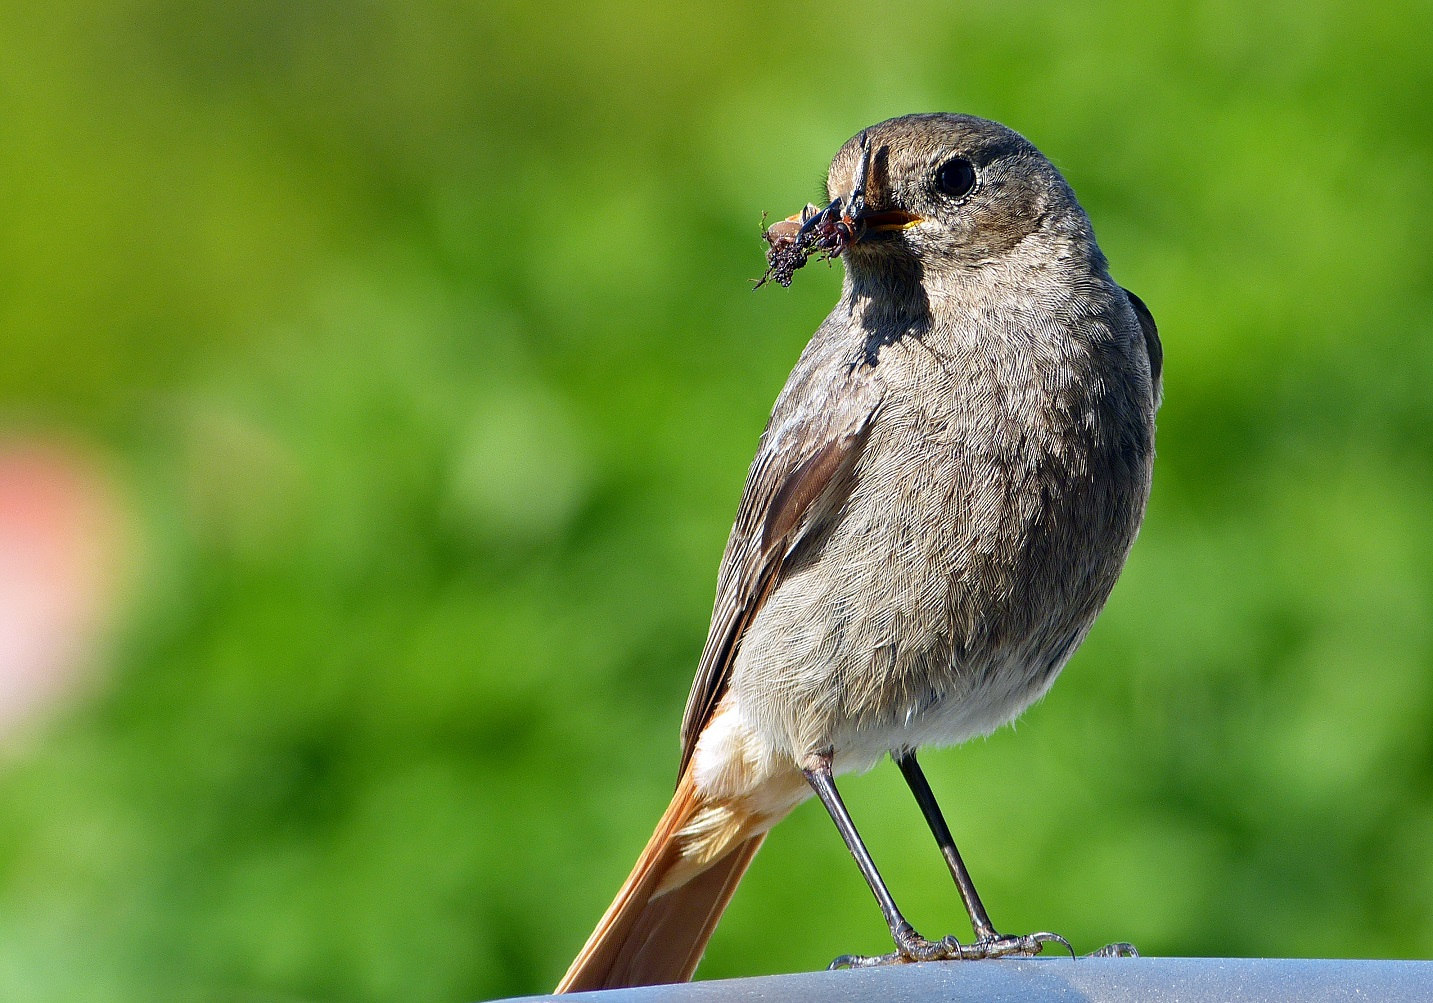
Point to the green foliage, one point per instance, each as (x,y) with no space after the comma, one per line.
(420,337)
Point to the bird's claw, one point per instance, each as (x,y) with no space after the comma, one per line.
(910,946)
(1004,945)
(1119,949)
(866,961)
(913,948)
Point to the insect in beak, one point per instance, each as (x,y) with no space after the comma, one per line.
(831,231)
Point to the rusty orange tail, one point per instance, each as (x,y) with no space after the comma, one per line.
(653,934)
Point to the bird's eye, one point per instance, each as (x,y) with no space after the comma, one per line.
(956,177)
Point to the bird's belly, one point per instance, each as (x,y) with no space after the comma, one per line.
(909,622)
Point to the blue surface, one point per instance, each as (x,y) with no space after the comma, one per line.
(1082,980)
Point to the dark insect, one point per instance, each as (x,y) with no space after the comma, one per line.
(814,231)
(822,232)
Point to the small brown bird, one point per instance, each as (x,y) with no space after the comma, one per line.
(941,502)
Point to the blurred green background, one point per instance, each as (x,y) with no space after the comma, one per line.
(404,358)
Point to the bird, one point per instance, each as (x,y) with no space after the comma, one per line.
(940,504)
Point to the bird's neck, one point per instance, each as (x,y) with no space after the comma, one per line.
(886,293)
(883,306)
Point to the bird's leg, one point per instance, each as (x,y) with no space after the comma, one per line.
(910,946)
(989,943)
(925,797)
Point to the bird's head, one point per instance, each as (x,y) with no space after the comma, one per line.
(944,190)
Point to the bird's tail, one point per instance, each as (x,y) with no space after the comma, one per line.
(656,929)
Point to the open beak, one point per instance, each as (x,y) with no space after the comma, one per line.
(885,222)
(862,224)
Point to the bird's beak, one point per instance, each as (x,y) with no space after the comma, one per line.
(846,220)
(861,223)
(860,215)
(860,218)
(886,222)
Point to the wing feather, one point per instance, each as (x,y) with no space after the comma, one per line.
(1152,344)
(800,474)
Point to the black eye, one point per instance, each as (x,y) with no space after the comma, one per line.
(956,177)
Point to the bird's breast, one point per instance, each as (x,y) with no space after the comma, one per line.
(994,504)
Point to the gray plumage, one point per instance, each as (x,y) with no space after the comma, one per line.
(979,412)
(940,505)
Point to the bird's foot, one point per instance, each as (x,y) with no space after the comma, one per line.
(911,946)
(1005,945)
(1119,949)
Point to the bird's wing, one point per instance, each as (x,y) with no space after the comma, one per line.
(1151,338)
(801,474)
